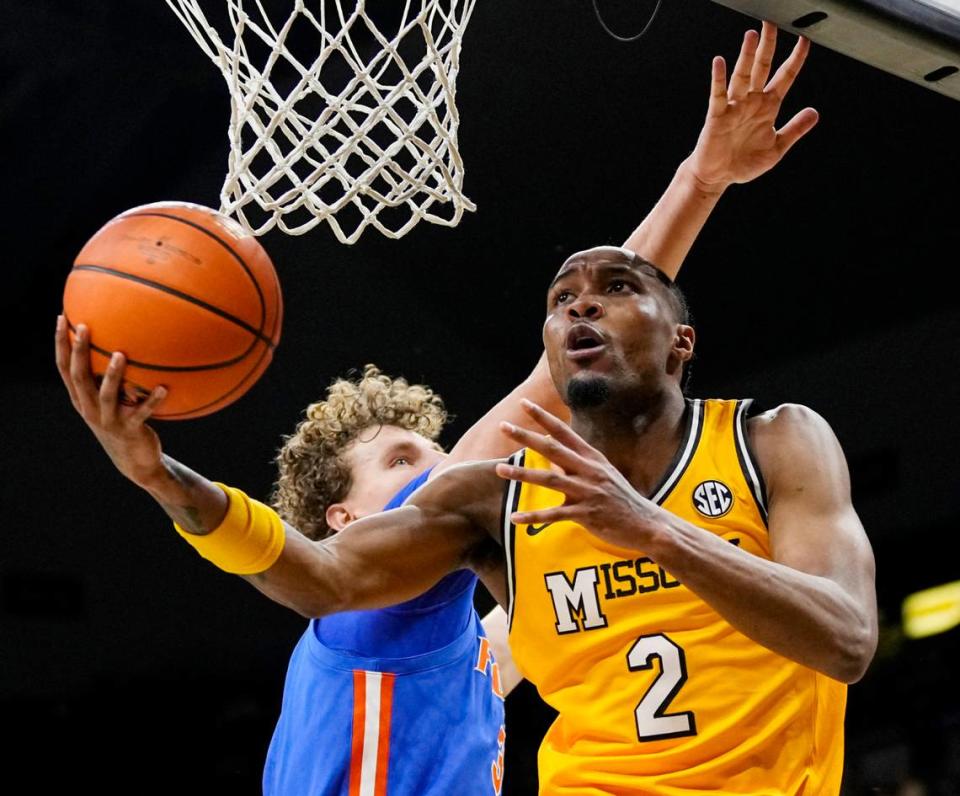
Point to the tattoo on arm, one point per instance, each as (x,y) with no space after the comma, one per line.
(187,517)
(182,497)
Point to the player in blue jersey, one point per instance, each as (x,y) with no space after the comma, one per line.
(402,700)
(408,699)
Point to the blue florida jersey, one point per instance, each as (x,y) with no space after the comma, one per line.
(429,723)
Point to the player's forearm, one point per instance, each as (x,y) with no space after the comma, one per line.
(667,233)
(190,500)
(305,578)
(807,618)
(375,562)
(300,579)
(296,580)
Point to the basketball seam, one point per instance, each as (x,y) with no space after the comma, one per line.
(232,390)
(172,368)
(178,294)
(269,344)
(227,246)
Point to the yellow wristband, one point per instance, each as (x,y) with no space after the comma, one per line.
(249,540)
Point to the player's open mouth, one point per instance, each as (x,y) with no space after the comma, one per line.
(583,342)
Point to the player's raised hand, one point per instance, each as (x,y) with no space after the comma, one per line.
(130,443)
(598,497)
(739,140)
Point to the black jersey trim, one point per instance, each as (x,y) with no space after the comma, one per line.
(685,453)
(511,499)
(748,462)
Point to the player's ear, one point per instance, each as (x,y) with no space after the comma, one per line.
(338,517)
(685,338)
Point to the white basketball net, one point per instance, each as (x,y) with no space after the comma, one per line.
(335,119)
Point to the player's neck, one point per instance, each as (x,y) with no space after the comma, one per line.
(639,439)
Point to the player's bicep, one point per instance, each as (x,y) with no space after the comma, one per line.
(813,525)
(828,543)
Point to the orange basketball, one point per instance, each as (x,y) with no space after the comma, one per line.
(187,295)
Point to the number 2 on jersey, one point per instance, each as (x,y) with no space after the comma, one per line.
(653,722)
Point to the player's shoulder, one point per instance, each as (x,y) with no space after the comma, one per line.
(789,435)
(786,420)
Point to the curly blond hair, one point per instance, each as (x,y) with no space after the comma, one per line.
(313,472)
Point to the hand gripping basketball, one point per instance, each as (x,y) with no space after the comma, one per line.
(132,445)
(189,297)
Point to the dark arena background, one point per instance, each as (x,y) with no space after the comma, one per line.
(129,665)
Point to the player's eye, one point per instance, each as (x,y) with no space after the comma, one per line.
(399,460)
(617,286)
(562,297)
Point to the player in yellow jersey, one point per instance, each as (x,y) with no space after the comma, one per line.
(689,586)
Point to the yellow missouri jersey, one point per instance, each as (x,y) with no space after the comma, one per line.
(657,694)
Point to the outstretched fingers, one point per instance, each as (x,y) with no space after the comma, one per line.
(551,479)
(559,430)
(785,76)
(546,445)
(740,81)
(544,516)
(718,87)
(796,128)
(763,60)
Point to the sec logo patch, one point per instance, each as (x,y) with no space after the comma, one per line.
(712,498)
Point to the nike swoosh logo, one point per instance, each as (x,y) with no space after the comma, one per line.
(533,530)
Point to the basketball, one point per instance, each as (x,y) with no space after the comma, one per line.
(187,295)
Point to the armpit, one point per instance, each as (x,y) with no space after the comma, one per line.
(486,557)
